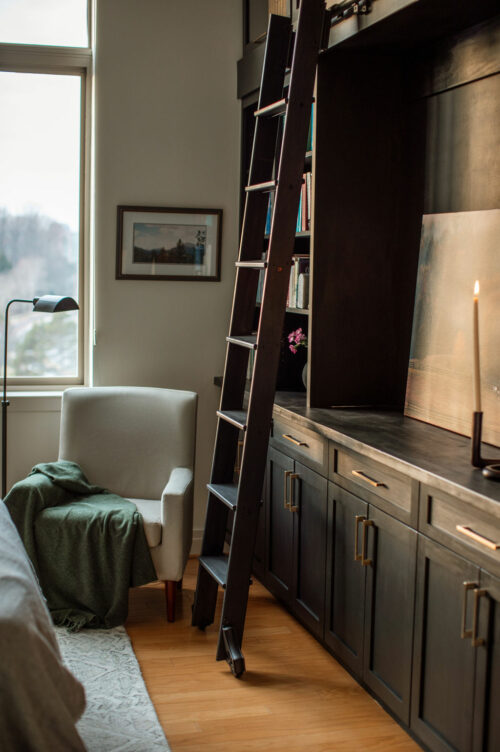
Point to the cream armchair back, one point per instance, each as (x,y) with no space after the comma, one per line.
(139,442)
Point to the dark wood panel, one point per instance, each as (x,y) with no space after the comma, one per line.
(366,230)
(279,527)
(443,669)
(310,547)
(390,600)
(463,152)
(345,595)
(471,55)
(487,694)
(410,23)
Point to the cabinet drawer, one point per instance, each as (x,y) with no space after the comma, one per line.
(372,476)
(461,527)
(301,443)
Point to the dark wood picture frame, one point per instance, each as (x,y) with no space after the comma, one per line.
(194,257)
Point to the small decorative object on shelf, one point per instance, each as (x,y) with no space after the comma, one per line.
(491,468)
(296,339)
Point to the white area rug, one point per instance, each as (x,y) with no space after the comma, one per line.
(119,716)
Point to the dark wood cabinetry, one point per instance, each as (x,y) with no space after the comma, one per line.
(370,596)
(444,660)
(356,563)
(345,593)
(486,727)
(295,505)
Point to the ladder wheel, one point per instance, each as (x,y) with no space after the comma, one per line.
(234,656)
(237,666)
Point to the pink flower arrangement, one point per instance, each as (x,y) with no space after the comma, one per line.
(296,339)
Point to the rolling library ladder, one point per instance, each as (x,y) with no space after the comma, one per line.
(277,164)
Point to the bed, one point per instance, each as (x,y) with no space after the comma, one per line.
(40,700)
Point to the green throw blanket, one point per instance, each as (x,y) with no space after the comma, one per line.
(87,545)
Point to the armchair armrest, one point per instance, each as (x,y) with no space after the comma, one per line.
(177,525)
(177,490)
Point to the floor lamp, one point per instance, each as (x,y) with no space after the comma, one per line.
(45,304)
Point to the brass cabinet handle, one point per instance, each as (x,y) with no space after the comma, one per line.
(294,441)
(465,633)
(466,530)
(359,518)
(477,642)
(294,507)
(286,502)
(364,543)
(363,476)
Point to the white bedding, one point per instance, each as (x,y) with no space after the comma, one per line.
(40,700)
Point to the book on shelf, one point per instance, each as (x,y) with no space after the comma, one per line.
(304,213)
(298,287)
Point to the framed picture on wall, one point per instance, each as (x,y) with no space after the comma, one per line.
(160,243)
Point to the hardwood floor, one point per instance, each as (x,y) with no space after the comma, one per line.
(293,696)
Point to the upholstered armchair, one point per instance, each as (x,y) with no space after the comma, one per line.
(139,442)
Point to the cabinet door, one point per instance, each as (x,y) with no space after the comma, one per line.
(389,609)
(443,668)
(309,492)
(487,648)
(279,526)
(345,578)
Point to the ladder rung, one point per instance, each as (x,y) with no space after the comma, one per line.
(246,340)
(255,264)
(271,185)
(270,110)
(226,492)
(217,567)
(237,418)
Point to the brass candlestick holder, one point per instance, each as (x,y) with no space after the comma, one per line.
(490,468)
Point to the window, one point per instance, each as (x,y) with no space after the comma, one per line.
(43,91)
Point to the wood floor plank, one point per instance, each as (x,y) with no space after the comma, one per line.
(293,696)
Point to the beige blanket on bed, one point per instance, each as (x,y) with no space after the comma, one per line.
(40,700)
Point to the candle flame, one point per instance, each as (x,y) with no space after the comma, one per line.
(476,287)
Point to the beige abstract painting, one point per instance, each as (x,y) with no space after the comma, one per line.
(455,250)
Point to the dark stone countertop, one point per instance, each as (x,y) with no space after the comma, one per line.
(427,453)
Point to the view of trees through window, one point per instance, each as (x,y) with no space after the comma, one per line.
(40,154)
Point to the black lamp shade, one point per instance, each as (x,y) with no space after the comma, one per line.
(54,304)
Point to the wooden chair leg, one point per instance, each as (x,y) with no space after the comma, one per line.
(170,593)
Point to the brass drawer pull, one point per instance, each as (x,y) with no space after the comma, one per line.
(477,642)
(294,507)
(465,633)
(359,518)
(286,502)
(466,530)
(364,543)
(367,479)
(294,441)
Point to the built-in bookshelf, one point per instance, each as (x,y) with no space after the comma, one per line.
(394,88)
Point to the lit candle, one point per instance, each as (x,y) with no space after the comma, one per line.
(477,369)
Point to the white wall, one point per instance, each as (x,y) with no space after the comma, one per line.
(166,134)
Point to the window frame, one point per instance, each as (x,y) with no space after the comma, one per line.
(72,61)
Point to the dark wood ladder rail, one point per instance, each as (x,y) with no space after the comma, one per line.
(277,164)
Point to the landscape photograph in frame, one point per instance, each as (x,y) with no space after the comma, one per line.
(163,243)
(455,250)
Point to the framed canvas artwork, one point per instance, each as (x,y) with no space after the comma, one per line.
(456,249)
